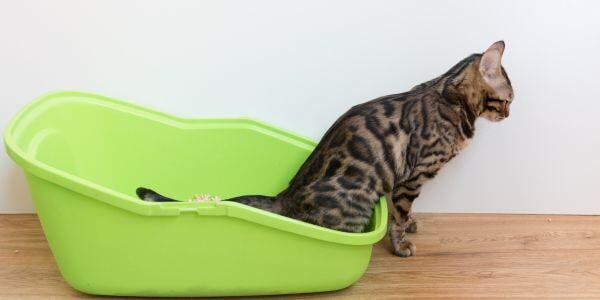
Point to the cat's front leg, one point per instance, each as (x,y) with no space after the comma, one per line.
(400,220)
(401,246)
(413,225)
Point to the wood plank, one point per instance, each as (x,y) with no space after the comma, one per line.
(459,256)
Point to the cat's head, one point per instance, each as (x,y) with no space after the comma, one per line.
(498,92)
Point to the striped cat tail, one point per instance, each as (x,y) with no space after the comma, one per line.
(152,196)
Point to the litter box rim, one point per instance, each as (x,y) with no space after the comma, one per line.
(153,209)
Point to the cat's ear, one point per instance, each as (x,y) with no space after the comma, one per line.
(491,60)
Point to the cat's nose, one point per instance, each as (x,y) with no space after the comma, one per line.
(505,109)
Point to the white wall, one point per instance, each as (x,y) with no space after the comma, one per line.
(300,64)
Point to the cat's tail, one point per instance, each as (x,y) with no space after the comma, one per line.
(268,203)
(152,196)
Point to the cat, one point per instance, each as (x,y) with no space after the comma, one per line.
(390,147)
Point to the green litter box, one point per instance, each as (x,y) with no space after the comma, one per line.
(84,155)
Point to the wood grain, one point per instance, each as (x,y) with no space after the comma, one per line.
(459,256)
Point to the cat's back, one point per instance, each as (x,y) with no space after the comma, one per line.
(368,133)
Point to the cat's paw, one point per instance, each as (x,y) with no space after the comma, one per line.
(404,248)
(413,226)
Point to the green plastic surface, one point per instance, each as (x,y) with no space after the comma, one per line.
(84,155)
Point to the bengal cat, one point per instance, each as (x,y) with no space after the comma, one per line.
(390,146)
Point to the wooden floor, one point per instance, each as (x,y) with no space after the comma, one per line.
(458,256)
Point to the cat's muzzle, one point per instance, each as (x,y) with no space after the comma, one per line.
(504,111)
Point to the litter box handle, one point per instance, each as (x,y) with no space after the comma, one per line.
(202,209)
(211,209)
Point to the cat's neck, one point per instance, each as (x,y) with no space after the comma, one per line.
(463,91)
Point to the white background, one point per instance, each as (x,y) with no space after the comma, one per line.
(300,64)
